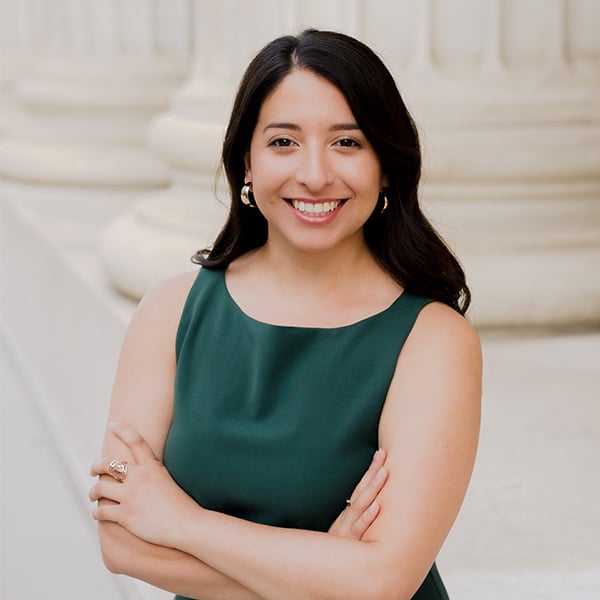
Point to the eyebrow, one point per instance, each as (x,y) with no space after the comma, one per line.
(294,127)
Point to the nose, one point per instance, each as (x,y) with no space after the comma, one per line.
(314,169)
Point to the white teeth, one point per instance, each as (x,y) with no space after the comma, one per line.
(316,208)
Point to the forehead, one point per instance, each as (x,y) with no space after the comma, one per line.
(303,94)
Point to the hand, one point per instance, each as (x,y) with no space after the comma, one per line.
(363,508)
(148,503)
(157,520)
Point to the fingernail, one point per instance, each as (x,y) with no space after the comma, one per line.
(381,473)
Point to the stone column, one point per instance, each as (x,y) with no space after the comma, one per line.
(159,234)
(507,97)
(102,69)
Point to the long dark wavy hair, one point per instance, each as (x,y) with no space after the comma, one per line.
(402,240)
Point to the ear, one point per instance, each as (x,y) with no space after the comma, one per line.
(248,173)
(385,182)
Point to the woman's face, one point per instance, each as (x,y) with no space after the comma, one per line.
(315,178)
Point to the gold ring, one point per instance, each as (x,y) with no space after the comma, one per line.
(118,470)
(348,503)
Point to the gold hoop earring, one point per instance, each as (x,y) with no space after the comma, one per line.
(385,203)
(245,195)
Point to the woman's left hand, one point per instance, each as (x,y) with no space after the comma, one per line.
(148,503)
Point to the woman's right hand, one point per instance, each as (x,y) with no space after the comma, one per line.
(362,508)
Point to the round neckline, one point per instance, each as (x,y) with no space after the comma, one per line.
(248,317)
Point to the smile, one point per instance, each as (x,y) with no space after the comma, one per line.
(315,209)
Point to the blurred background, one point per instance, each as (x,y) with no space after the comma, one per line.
(112,115)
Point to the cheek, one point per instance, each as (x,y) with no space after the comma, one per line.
(365,178)
(269,176)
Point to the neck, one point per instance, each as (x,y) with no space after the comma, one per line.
(314,289)
(300,270)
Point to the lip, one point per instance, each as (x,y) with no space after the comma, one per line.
(314,200)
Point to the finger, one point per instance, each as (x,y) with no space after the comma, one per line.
(371,490)
(360,526)
(356,518)
(107,490)
(107,512)
(364,501)
(141,451)
(101,467)
(105,467)
(377,462)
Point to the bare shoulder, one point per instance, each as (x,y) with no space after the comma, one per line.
(439,330)
(156,318)
(169,296)
(441,362)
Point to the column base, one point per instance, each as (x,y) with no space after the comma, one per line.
(530,250)
(158,237)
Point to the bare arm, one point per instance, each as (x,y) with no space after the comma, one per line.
(143,397)
(429,428)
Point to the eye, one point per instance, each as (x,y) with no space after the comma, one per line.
(281,142)
(348,143)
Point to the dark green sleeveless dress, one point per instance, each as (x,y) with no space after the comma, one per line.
(277,424)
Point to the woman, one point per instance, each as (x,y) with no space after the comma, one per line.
(326,323)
